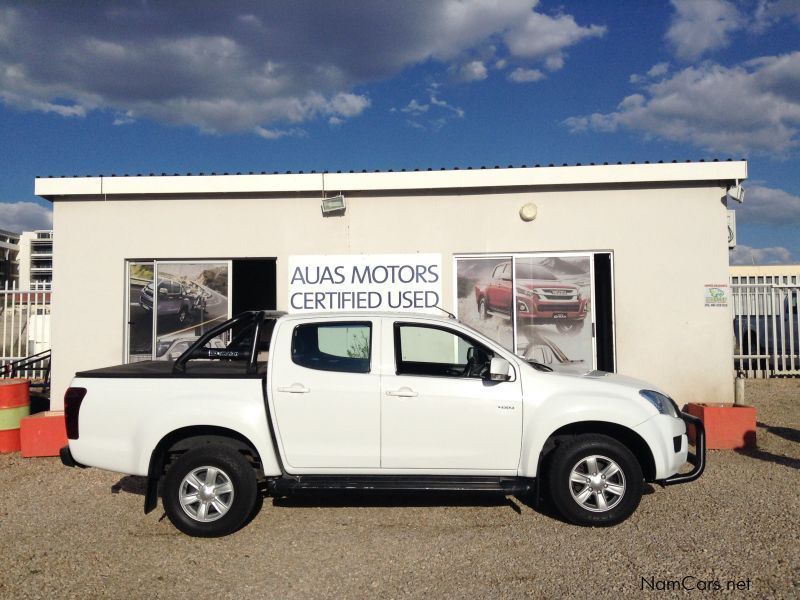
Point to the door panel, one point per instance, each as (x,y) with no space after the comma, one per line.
(328,416)
(447,422)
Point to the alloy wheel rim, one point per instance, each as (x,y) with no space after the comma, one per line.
(206,494)
(597,483)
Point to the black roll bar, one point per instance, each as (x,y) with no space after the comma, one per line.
(253,319)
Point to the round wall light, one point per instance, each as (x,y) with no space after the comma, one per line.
(528,212)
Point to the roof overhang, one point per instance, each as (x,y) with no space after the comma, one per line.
(724,173)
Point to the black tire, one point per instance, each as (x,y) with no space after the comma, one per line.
(242,500)
(571,327)
(571,455)
(482,311)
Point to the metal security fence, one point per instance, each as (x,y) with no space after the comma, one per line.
(765,329)
(25,330)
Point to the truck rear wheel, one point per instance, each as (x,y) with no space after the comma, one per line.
(210,491)
(594,480)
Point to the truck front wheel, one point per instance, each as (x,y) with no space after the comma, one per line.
(570,327)
(594,480)
(210,491)
(482,309)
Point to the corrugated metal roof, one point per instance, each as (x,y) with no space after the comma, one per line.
(312,182)
(414,170)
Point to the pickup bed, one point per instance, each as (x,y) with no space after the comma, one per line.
(371,401)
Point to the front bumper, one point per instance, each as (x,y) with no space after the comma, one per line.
(530,308)
(697,459)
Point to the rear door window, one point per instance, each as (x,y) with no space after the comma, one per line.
(343,347)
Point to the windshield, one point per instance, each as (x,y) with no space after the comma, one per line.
(529,271)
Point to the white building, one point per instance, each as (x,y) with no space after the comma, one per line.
(35,259)
(9,249)
(620,267)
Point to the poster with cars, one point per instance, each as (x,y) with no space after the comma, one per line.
(473,278)
(179,301)
(541,303)
(140,321)
(553,305)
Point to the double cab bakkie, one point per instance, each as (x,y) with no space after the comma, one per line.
(371,401)
(540,297)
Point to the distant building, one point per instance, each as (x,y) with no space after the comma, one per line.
(765,274)
(35,258)
(9,250)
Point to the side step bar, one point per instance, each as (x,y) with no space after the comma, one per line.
(505,485)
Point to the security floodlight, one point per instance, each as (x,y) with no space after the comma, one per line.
(334,204)
(736,192)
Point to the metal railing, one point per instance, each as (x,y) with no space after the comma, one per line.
(765,329)
(35,367)
(25,330)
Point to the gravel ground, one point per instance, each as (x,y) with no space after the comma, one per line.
(81,533)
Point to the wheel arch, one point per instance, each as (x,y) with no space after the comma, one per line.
(626,436)
(186,438)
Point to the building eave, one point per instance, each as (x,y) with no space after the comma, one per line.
(725,173)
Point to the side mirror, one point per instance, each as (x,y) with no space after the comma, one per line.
(163,291)
(499,369)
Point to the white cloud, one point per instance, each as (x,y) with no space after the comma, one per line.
(658,69)
(431,116)
(25,216)
(699,26)
(520,75)
(542,37)
(754,106)
(238,65)
(415,107)
(769,12)
(472,71)
(768,206)
(747,255)
(275,134)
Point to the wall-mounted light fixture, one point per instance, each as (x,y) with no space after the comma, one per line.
(333,205)
(528,212)
(736,192)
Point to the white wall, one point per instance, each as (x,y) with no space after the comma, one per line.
(667,244)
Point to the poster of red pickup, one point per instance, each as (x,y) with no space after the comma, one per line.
(541,303)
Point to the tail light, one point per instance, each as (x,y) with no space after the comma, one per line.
(72,406)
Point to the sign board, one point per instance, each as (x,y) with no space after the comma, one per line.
(731,229)
(716,294)
(383,282)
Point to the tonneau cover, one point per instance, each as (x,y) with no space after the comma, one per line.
(163,369)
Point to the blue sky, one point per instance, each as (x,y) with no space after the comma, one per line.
(179,87)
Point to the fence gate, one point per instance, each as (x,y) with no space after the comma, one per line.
(765,329)
(25,329)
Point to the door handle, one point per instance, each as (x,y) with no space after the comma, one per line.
(295,388)
(403,392)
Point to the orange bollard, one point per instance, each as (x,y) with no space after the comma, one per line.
(15,404)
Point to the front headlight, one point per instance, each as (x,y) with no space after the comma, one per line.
(525,292)
(664,404)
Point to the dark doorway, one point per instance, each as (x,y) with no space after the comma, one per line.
(253,284)
(604,312)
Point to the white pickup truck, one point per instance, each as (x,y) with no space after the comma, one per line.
(371,401)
